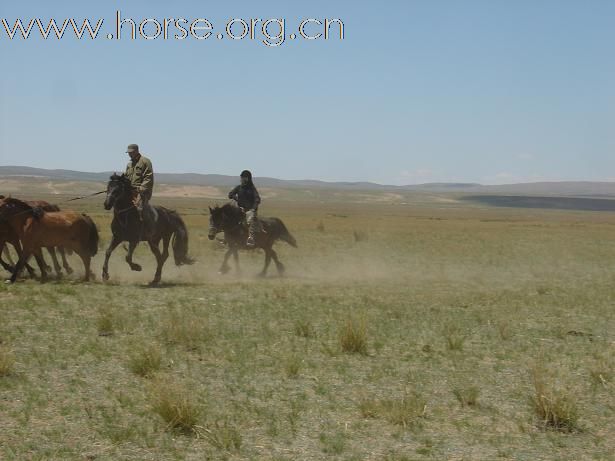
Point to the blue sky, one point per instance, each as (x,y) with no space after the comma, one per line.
(418,91)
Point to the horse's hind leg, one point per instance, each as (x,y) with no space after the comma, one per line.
(54,258)
(165,248)
(279,266)
(67,268)
(131,250)
(159,262)
(86,264)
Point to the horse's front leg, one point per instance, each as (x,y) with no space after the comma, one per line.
(10,266)
(115,241)
(29,268)
(131,249)
(159,261)
(236,259)
(224,268)
(23,259)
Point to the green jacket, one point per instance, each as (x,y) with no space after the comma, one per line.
(141,176)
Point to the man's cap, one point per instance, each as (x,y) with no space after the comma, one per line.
(132,148)
(246,174)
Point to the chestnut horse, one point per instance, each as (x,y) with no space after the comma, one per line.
(7,235)
(37,228)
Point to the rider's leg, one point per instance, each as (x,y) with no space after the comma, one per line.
(251,218)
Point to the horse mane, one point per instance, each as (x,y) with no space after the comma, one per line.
(118,177)
(16,202)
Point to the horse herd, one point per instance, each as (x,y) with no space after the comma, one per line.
(30,226)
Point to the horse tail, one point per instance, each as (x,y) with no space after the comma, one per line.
(180,239)
(92,235)
(286,235)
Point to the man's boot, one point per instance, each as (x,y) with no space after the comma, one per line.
(250,242)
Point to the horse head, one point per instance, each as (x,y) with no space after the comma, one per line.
(10,206)
(118,189)
(216,220)
(223,218)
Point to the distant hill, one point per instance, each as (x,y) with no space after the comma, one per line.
(570,188)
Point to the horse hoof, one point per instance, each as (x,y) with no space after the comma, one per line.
(136,267)
(154,283)
(223,270)
(68,270)
(105,276)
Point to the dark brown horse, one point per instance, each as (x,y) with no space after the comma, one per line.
(128,227)
(230,219)
(7,235)
(39,229)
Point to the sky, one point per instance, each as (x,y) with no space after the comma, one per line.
(487,91)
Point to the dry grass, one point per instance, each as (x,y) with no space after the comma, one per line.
(7,360)
(105,322)
(176,405)
(353,336)
(406,411)
(266,355)
(146,361)
(555,407)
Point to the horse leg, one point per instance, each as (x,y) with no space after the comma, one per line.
(54,259)
(86,258)
(29,268)
(131,250)
(236,259)
(112,246)
(38,255)
(65,264)
(23,259)
(159,261)
(224,268)
(263,273)
(8,255)
(10,266)
(165,248)
(278,265)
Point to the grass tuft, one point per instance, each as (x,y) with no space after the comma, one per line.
(146,361)
(304,328)
(467,396)
(176,406)
(223,436)
(7,360)
(406,411)
(353,336)
(454,338)
(185,329)
(104,322)
(556,408)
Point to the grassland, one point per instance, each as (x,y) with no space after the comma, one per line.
(413,327)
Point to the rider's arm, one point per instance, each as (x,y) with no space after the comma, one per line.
(232,194)
(148,177)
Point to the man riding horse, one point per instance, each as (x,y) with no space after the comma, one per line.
(141,175)
(247,198)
